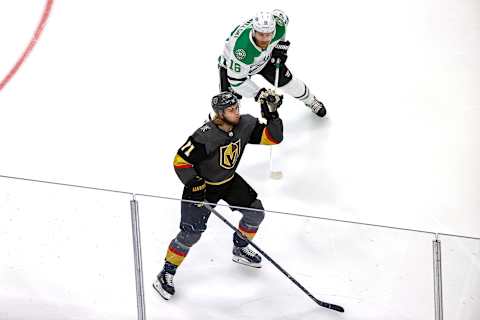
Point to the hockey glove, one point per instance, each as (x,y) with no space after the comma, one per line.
(259,93)
(195,190)
(281,16)
(270,101)
(280,52)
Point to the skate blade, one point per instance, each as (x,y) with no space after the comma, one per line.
(246,262)
(158,287)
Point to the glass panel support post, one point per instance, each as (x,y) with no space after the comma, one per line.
(437,278)
(137,254)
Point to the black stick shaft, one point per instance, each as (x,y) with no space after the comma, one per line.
(319,302)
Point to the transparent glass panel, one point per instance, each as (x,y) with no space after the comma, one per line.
(65,253)
(461,278)
(373,273)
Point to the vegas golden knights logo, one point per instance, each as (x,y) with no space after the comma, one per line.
(229,154)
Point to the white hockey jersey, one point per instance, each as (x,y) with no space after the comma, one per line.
(243,58)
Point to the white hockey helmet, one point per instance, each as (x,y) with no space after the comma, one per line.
(264,22)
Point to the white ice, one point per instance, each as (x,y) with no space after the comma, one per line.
(113,88)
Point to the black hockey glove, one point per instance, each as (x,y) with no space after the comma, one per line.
(280,52)
(281,16)
(270,101)
(195,190)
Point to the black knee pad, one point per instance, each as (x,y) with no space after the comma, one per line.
(188,238)
(253,217)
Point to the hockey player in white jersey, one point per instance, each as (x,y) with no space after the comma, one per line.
(256,47)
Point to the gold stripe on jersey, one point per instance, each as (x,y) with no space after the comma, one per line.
(219,183)
(180,163)
(267,138)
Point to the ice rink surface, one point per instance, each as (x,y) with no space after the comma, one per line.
(113,88)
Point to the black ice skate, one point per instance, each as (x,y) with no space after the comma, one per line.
(317,107)
(164,285)
(244,255)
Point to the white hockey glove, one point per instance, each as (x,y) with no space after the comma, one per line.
(270,101)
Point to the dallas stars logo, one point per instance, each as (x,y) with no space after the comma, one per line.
(229,154)
(240,54)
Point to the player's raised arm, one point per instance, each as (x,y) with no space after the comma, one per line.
(272,132)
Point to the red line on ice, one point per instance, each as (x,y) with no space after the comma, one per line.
(33,41)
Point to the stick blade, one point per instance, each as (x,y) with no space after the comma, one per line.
(336,308)
(330,306)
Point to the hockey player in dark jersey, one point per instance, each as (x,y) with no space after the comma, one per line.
(206,165)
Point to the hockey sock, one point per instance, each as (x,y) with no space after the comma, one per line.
(248,231)
(175,254)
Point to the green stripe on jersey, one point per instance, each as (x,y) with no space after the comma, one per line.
(236,85)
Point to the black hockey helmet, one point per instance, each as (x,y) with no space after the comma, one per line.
(223,100)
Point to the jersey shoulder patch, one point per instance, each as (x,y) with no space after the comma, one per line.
(244,50)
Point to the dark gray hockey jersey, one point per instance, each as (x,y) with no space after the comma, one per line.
(214,154)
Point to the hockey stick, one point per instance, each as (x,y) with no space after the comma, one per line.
(319,302)
(278,173)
